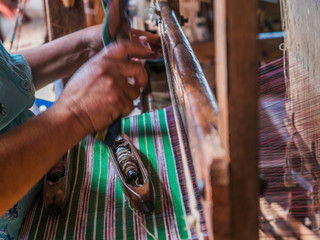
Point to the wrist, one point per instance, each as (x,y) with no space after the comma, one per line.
(69,121)
(91,39)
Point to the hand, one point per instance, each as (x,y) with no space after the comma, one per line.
(147,37)
(99,91)
(92,39)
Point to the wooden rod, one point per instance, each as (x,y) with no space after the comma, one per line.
(198,110)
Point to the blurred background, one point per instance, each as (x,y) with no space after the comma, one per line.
(37,24)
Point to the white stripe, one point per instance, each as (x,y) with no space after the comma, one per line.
(28,223)
(72,192)
(149,172)
(39,220)
(110,203)
(97,196)
(124,223)
(193,205)
(155,225)
(124,226)
(163,204)
(163,175)
(81,220)
(56,227)
(47,228)
(140,219)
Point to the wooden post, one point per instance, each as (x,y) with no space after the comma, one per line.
(236,76)
(62,20)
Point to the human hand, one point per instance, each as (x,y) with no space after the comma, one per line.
(99,91)
(92,39)
(152,39)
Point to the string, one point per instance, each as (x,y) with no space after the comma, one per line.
(141,220)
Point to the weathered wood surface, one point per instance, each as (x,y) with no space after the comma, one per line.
(269,50)
(175,6)
(62,20)
(198,110)
(236,79)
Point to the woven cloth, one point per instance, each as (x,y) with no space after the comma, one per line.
(97,207)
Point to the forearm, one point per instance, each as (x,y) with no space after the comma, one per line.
(30,150)
(56,59)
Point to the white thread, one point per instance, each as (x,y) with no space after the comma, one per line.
(145,228)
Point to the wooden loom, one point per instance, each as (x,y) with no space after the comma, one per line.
(224,145)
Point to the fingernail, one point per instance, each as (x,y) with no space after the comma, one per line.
(143,38)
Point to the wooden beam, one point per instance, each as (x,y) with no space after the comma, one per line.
(236,76)
(197,107)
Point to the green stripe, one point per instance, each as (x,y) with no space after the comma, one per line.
(93,191)
(144,153)
(173,177)
(119,210)
(154,177)
(119,202)
(102,191)
(129,214)
(147,148)
(74,206)
(64,214)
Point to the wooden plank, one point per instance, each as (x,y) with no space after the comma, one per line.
(198,110)
(236,79)
(62,20)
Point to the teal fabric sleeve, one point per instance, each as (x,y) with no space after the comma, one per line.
(16,87)
(106,37)
(16,97)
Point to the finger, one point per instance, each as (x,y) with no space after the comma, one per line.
(124,104)
(134,69)
(151,38)
(156,55)
(130,90)
(128,107)
(127,50)
(119,102)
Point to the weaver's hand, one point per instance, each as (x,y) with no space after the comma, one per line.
(152,39)
(99,92)
(92,39)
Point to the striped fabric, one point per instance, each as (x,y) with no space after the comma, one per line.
(98,209)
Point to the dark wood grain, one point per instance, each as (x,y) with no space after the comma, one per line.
(198,110)
(62,20)
(175,6)
(236,79)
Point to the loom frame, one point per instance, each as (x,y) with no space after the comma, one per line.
(221,143)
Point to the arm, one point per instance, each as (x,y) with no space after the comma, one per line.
(63,56)
(94,97)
